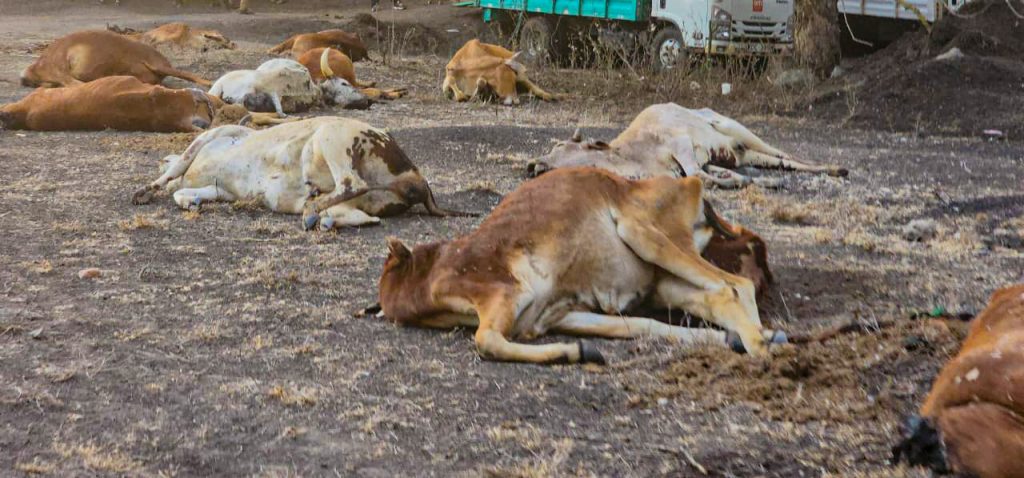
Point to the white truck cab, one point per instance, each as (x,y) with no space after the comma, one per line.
(722,27)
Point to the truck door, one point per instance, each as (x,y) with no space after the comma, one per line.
(691,17)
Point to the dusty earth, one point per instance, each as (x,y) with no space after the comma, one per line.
(224,342)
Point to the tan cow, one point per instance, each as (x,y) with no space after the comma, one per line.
(116,102)
(179,35)
(89,55)
(482,69)
(972,422)
(326,63)
(669,140)
(575,251)
(347,43)
(334,171)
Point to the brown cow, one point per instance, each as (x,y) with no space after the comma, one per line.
(179,35)
(972,422)
(127,104)
(338,65)
(89,55)
(348,43)
(117,102)
(574,251)
(482,69)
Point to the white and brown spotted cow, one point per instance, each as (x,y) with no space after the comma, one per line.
(334,171)
(669,140)
(576,251)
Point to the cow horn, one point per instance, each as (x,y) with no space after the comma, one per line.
(324,67)
(577,136)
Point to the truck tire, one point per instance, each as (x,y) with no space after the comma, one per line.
(667,49)
(540,42)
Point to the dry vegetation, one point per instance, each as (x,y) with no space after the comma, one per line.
(222,341)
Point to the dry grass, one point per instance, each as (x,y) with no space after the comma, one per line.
(294,396)
(42,266)
(142,221)
(36,467)
(799,214)
(98,458)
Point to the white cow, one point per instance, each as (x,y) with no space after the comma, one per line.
(334,171)
(669,140)
(285,86)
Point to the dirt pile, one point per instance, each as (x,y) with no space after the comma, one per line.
(391,38)
(921,84)
(853,377)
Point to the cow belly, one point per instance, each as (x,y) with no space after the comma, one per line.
(593,271)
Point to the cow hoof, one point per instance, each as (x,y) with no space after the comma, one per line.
(733,340)
(590,354)
(841,172)
(142,196)
(776,337)
(536,168)
(309,222)
(326,223)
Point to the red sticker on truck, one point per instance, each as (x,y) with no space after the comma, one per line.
(758,5)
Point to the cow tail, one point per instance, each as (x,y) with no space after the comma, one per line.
(285,45)
(171,71)
(436,210)
(716,222)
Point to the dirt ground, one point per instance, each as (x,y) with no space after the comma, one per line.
(224,343)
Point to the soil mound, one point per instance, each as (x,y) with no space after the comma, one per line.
(921,84)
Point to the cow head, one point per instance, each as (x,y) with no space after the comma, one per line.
(212,40)
(29,76)
(337,90)
(405,278)
(499,78)
(574,153)
(744,254)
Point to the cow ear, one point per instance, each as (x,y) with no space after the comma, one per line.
(398,249)
(514,56)
(598,145)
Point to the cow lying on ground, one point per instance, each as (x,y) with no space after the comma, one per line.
(338,65)
(972,422)
(123,103)
(116,102)
(334,171)
(89,55)
(285,86)
(669,140)
(575,251)
(482,69)
(347,43)
(178,35)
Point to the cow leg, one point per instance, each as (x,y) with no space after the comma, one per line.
(453,86)
(343,215)
(724,178)
(194,197)
(177,167)
(617,327)
(496,320)
(336,152)
(762,160)
(698,287)
(535,90)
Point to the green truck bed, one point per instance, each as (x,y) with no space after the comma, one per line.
(634,10)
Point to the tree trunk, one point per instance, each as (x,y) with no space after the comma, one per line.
(817,35)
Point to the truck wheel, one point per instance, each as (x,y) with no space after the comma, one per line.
(668,49)
(539,41)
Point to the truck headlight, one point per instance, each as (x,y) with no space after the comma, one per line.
(721,24)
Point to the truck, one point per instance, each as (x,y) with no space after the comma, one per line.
(876,23)
(666,31)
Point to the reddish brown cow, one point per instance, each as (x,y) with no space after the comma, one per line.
(348,43)
(89,55)
(116,102)
(575,251)
(972,422)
